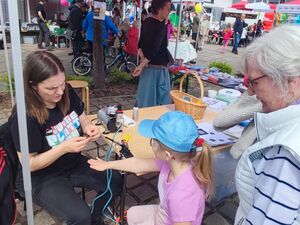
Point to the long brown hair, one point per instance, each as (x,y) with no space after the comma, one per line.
(38,67)
(202,165)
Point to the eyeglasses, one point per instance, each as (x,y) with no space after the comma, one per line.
(250,82)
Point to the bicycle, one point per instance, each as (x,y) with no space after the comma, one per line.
(82,65)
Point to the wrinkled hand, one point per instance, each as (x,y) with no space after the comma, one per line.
(92,131)
(137,72)
(74,145)
(98,164)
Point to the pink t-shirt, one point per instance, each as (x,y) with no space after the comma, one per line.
(227,34)
(182,199)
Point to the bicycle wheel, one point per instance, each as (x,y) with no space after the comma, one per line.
(127,67)
(82,65)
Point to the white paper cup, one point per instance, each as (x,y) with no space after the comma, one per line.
(212,93)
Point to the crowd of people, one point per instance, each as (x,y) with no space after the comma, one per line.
(268,171)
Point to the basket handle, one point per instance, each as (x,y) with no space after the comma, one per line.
(190,72)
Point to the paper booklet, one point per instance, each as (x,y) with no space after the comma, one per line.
(213,137)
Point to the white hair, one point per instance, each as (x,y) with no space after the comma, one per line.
(276,54)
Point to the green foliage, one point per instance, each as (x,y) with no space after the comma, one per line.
(222,66)
(4,79)
(84,78)
(119,76)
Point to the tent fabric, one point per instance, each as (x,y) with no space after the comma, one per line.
(240,5)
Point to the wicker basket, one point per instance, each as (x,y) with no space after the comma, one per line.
(187,103)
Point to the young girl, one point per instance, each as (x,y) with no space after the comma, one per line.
(185,178)
(226,37)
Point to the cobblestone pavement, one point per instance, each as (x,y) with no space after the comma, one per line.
(140,189)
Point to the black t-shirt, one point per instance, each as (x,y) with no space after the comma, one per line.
(40,7)
(43,137)
(154,42)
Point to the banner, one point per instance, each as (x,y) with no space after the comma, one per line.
(99,10)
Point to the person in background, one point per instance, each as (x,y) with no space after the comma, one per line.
(268,172)
(204,30)
(226,37)
(239,24)
(154,82)
(44,33)
(243,41)
(187,23)
(58,131)
(184,163)
(258,28)
(131,46)
(170,30)
(144,14)
(75,24)
(88,27)
(195,25)
(117,20)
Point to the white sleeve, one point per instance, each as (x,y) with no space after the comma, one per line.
(276,198)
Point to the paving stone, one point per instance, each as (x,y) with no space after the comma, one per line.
(228,210)
(215,219)
(43,218)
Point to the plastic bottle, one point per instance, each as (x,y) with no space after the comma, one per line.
(119,116)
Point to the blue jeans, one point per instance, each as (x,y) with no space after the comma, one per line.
(56,194)
(237,38)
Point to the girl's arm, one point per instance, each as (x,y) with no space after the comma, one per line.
(134,165)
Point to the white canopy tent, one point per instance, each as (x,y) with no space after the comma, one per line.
(2,24)
(19,87)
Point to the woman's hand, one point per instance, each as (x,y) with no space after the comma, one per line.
(74,145)
(92,131)
(98,164)
(141,54)
(138,70)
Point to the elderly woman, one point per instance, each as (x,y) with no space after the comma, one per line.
(58,130)
(268,173)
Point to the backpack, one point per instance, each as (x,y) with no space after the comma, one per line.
(8,171)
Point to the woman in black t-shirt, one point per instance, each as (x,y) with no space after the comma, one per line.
(55,122)
(154,81)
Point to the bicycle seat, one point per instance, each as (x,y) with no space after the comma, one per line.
(86,50)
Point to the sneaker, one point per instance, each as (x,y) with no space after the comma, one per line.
(41,47)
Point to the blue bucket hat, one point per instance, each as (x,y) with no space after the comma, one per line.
(175,130)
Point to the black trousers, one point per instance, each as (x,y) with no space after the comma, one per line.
(77,45)
(44,34)
(56,193)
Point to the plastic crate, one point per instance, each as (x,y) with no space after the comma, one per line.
(224,176)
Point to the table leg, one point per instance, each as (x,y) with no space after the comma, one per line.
(122,204)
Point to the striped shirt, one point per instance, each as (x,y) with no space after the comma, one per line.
(276,199)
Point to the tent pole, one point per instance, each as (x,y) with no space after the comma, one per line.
(6,55)
(28,11)
(178,30)
(140,27)
(17,65)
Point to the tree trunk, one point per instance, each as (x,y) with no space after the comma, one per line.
(98,60)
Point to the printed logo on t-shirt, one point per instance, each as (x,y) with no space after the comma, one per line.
(64,130)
